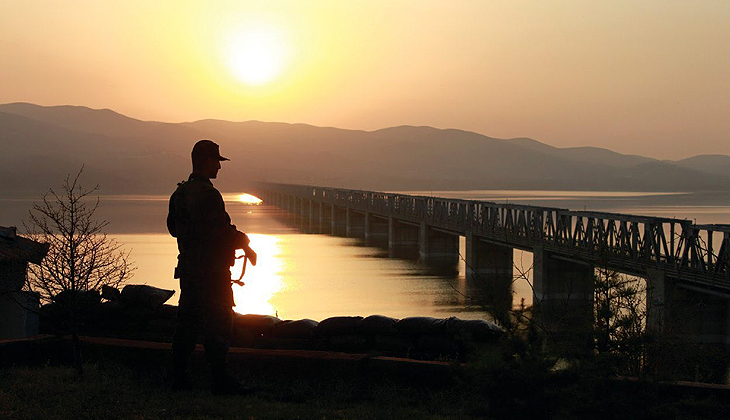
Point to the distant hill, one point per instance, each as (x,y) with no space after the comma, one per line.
(129,156)
(711,164)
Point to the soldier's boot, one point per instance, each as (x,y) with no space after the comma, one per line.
(180,355)
(221,383)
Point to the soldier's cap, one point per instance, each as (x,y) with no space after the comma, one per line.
(207,148)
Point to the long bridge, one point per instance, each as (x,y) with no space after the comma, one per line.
(680,260)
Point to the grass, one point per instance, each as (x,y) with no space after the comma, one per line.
(517,391)
(115,392)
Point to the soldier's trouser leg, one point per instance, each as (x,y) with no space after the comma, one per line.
(217,336)
(183,342)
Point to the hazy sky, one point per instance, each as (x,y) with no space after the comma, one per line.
(645,77)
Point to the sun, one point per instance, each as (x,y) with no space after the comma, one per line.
(255,55)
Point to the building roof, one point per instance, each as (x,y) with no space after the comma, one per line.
(18,248)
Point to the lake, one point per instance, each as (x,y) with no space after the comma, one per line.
(318,276)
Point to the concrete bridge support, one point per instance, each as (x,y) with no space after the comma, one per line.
(376,231)
(563,299)
(688,315)
(305,208)
(314,216)
(403,240)
(294,211)
(339,221)
(490,271)
(356,224)
(276,198)
(326,220)
(437,248)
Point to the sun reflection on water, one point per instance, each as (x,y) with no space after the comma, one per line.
(263,281)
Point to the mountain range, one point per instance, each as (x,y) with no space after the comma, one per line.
(41,145)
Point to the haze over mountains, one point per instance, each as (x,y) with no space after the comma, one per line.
(40,145)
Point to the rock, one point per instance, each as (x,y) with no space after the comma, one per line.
(81,299)
(437,345)
(350,342)
(142,295)
(396,344)
(243,337)
(110,293)
(474,329)
(339,325)
(163,326)
(256,324)
(303,328)
(378,325)
(167,312)
(422,325)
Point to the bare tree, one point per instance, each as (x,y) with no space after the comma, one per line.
(81,257)
(620,320)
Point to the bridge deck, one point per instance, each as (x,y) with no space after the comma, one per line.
(694,254)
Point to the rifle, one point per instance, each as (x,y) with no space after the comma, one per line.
(248,253)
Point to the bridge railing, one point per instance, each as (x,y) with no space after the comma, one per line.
(630,242)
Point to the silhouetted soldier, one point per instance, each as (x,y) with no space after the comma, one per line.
(207,242)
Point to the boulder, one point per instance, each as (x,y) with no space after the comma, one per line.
(242,337)
(303,328)
(378,325)
(167,312)
(142,295)
(350,343)
(83,300)
(437,345)
(254,323)
(476,330)
(422,325)
(393,344)
(339,325)
(110,293)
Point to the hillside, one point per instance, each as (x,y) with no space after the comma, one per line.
(130,156)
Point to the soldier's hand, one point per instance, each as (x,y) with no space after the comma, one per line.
(251,255)
(243,242)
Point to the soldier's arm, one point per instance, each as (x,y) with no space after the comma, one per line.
(215,224)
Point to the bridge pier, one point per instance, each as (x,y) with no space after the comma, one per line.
(277,199)
(296,211)
(403,240)
(293,211)
(490,268)
(376,231)
(689,315)
(305,208)
(487,260)
(658,289)
(437,248)
(355,224)
(324,222)
(308,215)
(315,217)
(339,221)
(563,298)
